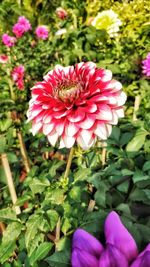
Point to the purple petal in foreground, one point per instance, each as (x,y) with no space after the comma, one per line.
(143,260)
(112,257)
(82,240)
(117,235)
(83,259)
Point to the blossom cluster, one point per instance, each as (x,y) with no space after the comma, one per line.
(146,65)
(76,104)
(107,20)
(23,25)
(120,248)
(18,75)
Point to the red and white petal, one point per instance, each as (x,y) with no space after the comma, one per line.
(88,121)
(121,99)
(109,129)
(120,112)
(48,127)
(62,144)
(53,137)
(104,113)
(47,118)
(85,139)
(101,131)
(91,108)
(71,128)
(114,120)
(76,116)
(68,141)
(60,127)
(36,127)
(107,76)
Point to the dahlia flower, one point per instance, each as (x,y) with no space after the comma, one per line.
(18,75)
(18,30)
(146,65)
(78,103)
(3,59)
(23,25)
(8,40)
(42,32)
(120,247)
(107,20)
(61,13)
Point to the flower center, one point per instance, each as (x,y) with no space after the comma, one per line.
(69,92)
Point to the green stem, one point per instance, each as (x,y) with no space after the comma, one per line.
(11,89)
(69,163)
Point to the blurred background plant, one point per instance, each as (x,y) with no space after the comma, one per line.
(113,175)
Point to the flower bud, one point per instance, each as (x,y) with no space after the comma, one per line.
(117,235)
(112,257)
(84,241)
(81,258)
(143,260)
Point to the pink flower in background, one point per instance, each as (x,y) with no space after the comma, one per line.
(8,40)
(18,30)
(61,13)
(78,103)
(18,75)
(23,25)
(146,65)
(42,32)
(3,59)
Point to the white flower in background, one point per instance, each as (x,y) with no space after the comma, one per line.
(107,20)
(61,32)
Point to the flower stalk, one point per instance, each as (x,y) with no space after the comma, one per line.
(57,237)
(23,152)
(10,182)
(136,107)
(69,163)
(2,227)
(104,153)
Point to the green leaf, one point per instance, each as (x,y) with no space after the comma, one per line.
(82,174)
(138,141)
(12,232)
(38,186)
(41,252)
(12,158)
(54,197)
(66,226)
(3,145)
(21,200)
(115,134)
(31,236)
(7,215)
(146,166)
(5,124)
(125,138)
(100,195)
(53,218)
(139,176)
(55,166)
(59,259)
(75,193)
(6,250)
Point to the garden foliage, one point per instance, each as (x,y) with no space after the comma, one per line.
(112,175)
